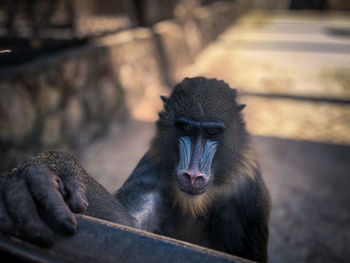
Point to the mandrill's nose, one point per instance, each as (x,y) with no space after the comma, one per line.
(194,177)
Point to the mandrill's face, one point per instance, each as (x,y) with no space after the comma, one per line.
(200,133)
(197,142)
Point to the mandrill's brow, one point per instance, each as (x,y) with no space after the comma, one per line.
(210,124)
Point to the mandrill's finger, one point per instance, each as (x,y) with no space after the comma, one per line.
(76,191)
(44,186)
(23,212)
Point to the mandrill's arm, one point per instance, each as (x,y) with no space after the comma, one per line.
(45,191)
(142,195)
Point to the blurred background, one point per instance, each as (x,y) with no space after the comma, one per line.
(85,76)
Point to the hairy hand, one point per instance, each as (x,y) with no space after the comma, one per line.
(42,195)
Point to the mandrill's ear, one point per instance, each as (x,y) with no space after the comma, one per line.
(240,107)
(164,99)
(165,103)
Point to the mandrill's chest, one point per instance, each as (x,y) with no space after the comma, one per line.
(187,228)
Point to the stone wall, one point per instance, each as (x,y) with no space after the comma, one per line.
(272,4)
(59,103)
(67,100)
(181,39)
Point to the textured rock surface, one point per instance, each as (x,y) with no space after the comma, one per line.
(176,51)
(49,104)
(16,111)
(137,66)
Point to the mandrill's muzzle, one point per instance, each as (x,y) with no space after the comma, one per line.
(194,169)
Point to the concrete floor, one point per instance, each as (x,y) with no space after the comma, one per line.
(308,183)
(304,145)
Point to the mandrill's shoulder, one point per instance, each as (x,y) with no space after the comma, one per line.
(143,182)
(141,195)
(248,186)
(244,185)
(145,174)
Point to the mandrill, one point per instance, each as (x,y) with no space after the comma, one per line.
(198,182)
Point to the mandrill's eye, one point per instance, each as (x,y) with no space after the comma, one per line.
(212,131)
(185,128)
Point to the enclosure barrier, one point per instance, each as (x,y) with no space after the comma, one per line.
(102,241)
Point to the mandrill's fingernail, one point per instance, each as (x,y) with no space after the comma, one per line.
(68,227)
(78,206)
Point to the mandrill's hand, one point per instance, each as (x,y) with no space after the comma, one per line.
(41,195)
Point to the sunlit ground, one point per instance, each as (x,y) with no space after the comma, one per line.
(285,118)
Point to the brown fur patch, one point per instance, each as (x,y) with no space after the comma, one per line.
(194,206)
(248,165)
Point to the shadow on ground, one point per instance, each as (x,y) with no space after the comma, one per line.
(308,182)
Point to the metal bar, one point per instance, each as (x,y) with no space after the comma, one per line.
(101,241)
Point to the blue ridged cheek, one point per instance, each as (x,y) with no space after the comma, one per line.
(185,152)
(208,155)
(208,152)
